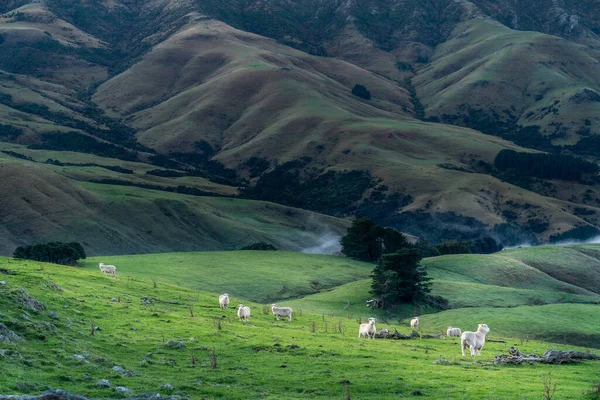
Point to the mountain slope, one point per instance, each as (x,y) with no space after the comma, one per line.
(231,91)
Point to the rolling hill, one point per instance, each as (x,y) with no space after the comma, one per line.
(532,278)
(236,92)
(145,337)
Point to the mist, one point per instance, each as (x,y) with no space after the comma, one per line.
(329,244)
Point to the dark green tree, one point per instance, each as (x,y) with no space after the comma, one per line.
(362,92)
(363,241)
(53,252)
(260,246)
(367,241)
(399,278)
(453,247)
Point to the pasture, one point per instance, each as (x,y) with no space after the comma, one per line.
(316,356)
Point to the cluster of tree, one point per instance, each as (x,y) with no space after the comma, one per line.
(260,246)
(578,234)
(52,252)
(361,91)
(484,245)
(193,191)
(544,166)
(398,276)
(9,131)
(332,192)
(115,168)
(367,241)
(74,141)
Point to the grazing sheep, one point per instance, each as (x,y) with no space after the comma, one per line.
(108,269)
(281,312)
(453,332)
(414,323)
(224,300)
(474,340)
(244,313)
(367,330)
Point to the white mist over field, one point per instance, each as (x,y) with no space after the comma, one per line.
(329,243)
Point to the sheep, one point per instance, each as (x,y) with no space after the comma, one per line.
(367,330)
(450,332)
(224,300)
(108,269)
(414,323)
(281,312)
(243,313)
(474,340)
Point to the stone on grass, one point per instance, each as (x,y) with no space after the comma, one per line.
(123,390)
(103,384)
(174,344)
(53,315)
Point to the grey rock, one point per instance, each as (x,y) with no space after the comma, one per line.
(104,384)
(122,371)
(8,336)
(2,283)
(81,358)
(174,344)
(167,387)
(150,396)
(123,390)
(53,315)
(114,299)
(28,301)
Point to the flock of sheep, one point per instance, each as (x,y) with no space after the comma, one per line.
(244,311)
(472,340)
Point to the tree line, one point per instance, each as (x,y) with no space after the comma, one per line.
(52,252)
(544,166)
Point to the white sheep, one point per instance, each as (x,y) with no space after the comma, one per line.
(453,332)
(244,313)
(414,323)
(224,300)
(474,340)
(108,269)
(281,312)
(367,330)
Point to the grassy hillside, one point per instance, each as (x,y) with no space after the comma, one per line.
(265,358)
(260,276)
(65,202)
(338,286)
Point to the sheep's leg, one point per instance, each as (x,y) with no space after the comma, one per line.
(462,347)
(472,351)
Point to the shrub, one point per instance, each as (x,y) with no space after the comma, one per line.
(53,252)
(544,166)
(260,246)
(579,234)
(362,92)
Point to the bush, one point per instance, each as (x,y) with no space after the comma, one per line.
(453,247)
(544,166)
(578,234)
(53,252)
(362,92)
(260,246)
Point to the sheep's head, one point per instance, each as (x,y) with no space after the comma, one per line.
(483,328)
(372,321)
(101,265)
(240,305)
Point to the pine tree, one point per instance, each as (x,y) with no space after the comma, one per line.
(398,278)
(363,241)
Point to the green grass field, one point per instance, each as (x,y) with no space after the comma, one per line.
(264,358)
(261,276)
